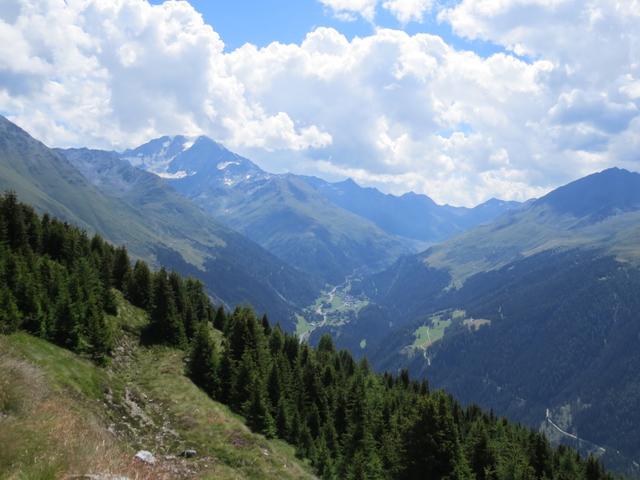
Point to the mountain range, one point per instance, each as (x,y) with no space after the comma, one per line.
(329,230)
(529,309)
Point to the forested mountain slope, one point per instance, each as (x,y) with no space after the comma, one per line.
(132,206)
(537,310)
(57,283)
(598,211)
(611,224)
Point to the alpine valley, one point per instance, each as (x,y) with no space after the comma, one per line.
(529,310)
(534,315)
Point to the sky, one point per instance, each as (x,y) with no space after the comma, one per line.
(462,100)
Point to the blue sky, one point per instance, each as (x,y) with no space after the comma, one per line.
(261,22)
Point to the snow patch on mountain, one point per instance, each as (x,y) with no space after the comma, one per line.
(223,165)
(188,143)
(174,176)
(157,158)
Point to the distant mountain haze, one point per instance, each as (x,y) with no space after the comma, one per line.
(330,230)
(410,215)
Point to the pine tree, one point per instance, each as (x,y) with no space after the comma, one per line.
(121,267)
(243,382)
(202,364)
(220,320)
(66,329)
(99,334)
(139,289)
(165,326)
(226,376)
(14,215)
(274,387)
(10,316)
(283,420)
(432,444)
(326,344)
(265,325)
(258,416)
(593,469)
(276,340)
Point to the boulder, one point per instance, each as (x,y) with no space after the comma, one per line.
(146,457)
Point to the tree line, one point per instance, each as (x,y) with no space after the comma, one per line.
(349,422)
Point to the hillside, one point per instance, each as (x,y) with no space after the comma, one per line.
(547,224)
(598,211)
(232,267)
(572,314)
(141,401)
(99,192)
(531,313)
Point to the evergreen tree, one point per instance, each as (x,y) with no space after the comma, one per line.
(139,287)
(165,326)
(276,340)
(220,320)
(13,214)
(226,376)
(202,364)
(244,380)
(66,329)
(258,416)
(274,386)
(265,325)
(432,446)
(121,267)
(10,316)
(283,420)
(99,334)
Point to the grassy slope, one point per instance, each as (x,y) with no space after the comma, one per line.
(292,220)
(62,415)
(526,233)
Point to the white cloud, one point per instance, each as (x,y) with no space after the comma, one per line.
(393,110)
(403,107)
(109,73)
(408,10)
(348,9)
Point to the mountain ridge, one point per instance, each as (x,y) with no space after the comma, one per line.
(297,217)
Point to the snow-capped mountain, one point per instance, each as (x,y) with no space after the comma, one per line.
(200,157)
